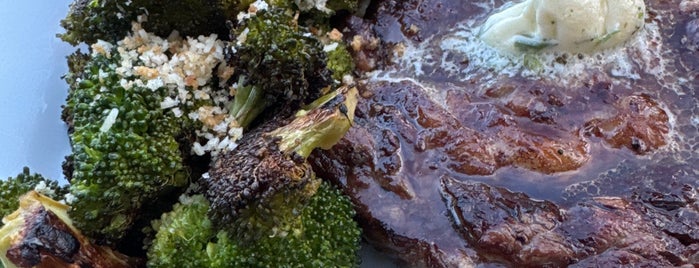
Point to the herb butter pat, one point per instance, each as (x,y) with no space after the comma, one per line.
(563,25)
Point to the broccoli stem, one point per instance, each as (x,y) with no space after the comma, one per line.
(41,234)
(319,128)
(258,189)
(249,102)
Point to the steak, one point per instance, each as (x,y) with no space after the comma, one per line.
(461,157)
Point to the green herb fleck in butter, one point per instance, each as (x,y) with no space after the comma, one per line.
(563,25)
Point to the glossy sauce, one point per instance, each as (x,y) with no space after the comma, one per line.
(557,127)
(564,99)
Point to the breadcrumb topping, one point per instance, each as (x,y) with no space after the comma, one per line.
(185,66)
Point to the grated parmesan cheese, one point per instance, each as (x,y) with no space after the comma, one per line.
(42,188)
(330,47)
(185,68)
(109,120)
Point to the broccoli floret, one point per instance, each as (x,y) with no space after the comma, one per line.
(40,234)
(337,5)
(340,61)
(90,20)
(328,7)
(186,238)
(14,187)
(258,189)
(233,7)
(131,110)
(124,149)
(278,62)
(327,237)
(110,20)
(76,65)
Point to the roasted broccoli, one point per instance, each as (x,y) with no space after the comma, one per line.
(326,237)
(278,62)
(337,5)
(139,102)
(234,7)
(91,20)
(340,61)
(110,20)
(327,7)
(186,238)
(124,149)
(258,189)
(40,234)
(267,208)
(14,187)
(127,108)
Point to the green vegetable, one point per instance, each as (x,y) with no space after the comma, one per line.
(327,236)
(231,8)
(340,62)
(262,205)
(258,189)
(606,37)
(39,233)
(118,167)
(185,236)
(279,63)
(532,44)
(14,187)
(249,102)
(110,20)
(326,7)
(90,20)
(337,5)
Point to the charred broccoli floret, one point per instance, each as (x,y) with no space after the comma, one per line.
(76,67)
(258,189)
(90,20)
(14,187)
(110,20)
(278,62)
(40,234)
(327,236)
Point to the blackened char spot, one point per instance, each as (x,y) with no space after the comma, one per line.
(46,235)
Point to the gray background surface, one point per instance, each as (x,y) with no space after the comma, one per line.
(32,61)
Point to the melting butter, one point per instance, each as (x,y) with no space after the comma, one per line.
(563,25)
